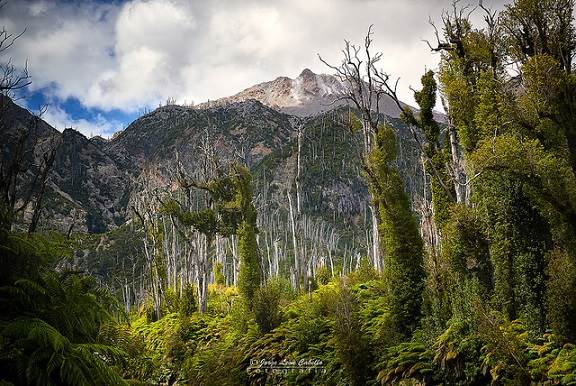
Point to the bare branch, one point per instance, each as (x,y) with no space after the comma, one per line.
(11,77)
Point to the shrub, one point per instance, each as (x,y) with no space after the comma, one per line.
(323,275)
(267,303)
(219,277)
(352,347)
(187,301)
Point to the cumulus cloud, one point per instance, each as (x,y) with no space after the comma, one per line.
(98,125)
(65,45)
(128,55)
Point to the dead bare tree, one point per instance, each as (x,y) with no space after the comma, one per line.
(12,78)
(19,158)
(25,169)
(146,212)
(456,25)
(47,164)
(365,86)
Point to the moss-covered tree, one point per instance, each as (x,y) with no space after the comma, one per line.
(399,234)
(231,212)
(514,132)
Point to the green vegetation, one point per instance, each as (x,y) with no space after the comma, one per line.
(478,285)
(51,321)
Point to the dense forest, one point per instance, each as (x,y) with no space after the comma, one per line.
(471,281)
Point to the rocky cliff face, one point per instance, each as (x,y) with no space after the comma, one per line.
(87,189)
(93,179)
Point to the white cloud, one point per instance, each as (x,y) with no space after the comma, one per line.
(137,53)
(60,119)
(157,24)
(39,7)
(66,46)
(149,50)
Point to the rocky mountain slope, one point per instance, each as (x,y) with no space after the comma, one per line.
(86,188)
(95,181)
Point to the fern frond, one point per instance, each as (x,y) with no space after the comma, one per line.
(36,330)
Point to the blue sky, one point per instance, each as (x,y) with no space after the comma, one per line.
(70,112)
(99,64)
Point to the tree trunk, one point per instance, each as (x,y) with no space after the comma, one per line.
(375,238)
(294,242)
(298,168)
(458,168)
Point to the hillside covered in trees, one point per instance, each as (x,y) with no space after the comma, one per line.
(239,243)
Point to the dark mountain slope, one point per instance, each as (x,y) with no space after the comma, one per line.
(86,188)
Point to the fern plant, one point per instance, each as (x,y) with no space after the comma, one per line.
(49,332)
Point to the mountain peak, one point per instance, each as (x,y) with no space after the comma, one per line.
(306,73)
(308,94)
